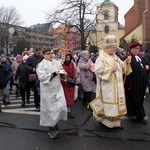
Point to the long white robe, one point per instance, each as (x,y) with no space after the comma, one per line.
(110,88)
(53,102)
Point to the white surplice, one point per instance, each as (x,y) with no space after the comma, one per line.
(53,103)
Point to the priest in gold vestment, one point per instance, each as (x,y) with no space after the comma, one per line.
(109,70)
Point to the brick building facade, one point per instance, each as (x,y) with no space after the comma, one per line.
(139,14)
(73,39)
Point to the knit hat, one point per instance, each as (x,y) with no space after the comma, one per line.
(3,55)
(18,56)
(111,40)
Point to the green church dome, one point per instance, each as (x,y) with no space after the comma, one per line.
(107,2)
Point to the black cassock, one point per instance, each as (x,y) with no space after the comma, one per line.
(135,87)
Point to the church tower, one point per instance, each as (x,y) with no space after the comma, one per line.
(107,17)
(106,24)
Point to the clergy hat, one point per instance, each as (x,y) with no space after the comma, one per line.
(111,40)
(133,45)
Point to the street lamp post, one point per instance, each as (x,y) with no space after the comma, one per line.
(11,32)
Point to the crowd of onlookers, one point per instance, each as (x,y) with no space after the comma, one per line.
(15,74)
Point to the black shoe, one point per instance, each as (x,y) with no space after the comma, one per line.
(70,115)
(4,102)
(142,121)
(79,98)
(22,104)
(8,102)
(53,133)
(56,127)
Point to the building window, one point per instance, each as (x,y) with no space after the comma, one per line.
(106,29)
(106,16)
(116,17)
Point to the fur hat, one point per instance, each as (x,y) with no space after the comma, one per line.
(111,40)
(133,45)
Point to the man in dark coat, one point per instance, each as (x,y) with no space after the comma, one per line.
(146,61)
(5,62)
(3,83)
(23,75)
(135,85)
(31,65)
(95,56)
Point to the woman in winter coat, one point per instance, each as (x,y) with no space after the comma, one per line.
(86,77)
(70,67)
(23,75)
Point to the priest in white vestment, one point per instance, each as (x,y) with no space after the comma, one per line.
(53,103)
(109,70)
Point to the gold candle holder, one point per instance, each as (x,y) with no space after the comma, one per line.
(62,50)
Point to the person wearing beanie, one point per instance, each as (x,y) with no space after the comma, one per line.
(109,70)
(135,85)
(10,74)
(15,65)
(22,74)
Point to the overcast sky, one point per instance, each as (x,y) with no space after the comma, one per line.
(32,11)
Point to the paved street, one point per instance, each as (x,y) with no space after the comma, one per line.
(20,130)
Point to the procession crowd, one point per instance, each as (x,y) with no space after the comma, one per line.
(115,77)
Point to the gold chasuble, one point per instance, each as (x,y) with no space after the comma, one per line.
(110,88)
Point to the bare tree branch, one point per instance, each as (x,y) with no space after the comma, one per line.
(8,17)
(75,13)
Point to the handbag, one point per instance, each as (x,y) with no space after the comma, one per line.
(32,77)
(94,77)
(71,81)
(97,106)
